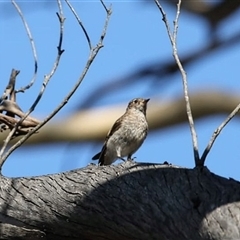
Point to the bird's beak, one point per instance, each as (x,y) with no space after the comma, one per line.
(146,100)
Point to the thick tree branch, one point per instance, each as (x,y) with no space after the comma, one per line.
(127,201)
(92,125)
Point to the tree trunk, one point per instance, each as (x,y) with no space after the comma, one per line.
(127,201)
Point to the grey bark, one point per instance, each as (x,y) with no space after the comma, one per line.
(127,201)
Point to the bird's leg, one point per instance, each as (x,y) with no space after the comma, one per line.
(122,158)
(129,158)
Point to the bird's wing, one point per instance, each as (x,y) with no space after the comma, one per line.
(114,128)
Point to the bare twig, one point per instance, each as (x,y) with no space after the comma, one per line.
(106,9)
(32,46)
(175,22)
(93,53)
(216,133)
(11,108)
(165,21)
(11,86)
(29,122)
(80,23)
(9,92)
(6,141)
(172,38)
(55,65)
(45,82)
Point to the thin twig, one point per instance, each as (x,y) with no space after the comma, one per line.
(8,92)
(11,85)
(60,7)
(55,65)
(165,21)
(105,7)
(93,53)
(175,22)
(12,132)
(32,46)
(45,82)
(172,38)
(80,23)
(216,133)
(6,141)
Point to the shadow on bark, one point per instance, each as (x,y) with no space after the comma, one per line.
(126,201)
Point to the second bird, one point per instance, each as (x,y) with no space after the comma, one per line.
(126,135)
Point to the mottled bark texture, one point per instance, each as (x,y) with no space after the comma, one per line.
(127,201)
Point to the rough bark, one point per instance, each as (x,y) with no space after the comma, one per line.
(127,201)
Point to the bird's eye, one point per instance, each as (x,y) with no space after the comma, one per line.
(135,101)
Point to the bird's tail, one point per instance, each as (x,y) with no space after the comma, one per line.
(97,156)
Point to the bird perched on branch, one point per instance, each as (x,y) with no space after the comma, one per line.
(126,135)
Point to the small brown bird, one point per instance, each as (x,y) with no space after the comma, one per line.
(126,135)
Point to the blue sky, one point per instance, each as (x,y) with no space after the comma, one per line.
(136,36)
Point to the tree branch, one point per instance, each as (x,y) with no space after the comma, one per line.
(23,89)
(9,91)
(173,39)
(45,82)
(161,115)
(80,23)
(156,73)
(12,109)
(126,201)
(217,132)
(93,53)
